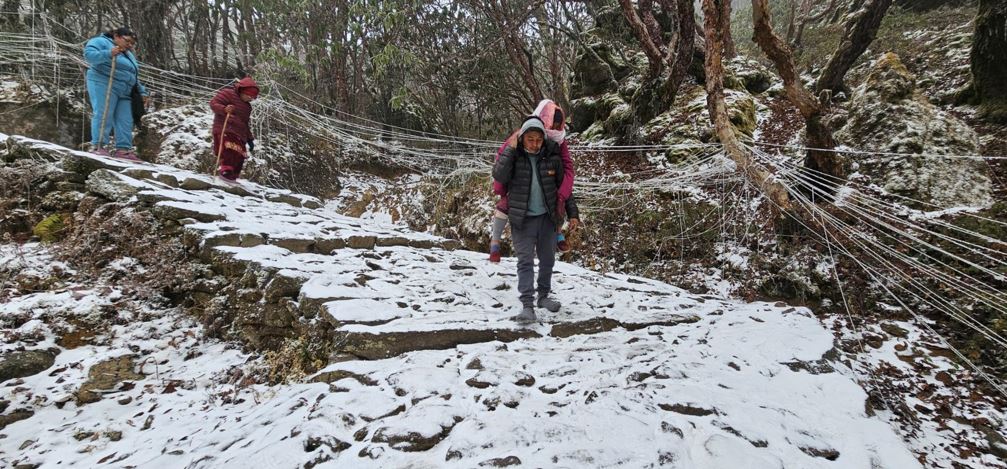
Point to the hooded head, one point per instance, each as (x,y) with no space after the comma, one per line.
(247,86)
(553,118)
(532,134)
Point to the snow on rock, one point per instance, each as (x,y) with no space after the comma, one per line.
(185,136)
(725,391)
(431,372)
(888,114)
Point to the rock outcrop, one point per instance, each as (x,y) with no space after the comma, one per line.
(887,113)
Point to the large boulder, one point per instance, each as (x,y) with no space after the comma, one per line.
(887,113)
(31,110)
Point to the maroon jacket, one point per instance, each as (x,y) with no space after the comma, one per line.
(238,124)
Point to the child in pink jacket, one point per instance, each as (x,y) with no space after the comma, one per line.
(555,123)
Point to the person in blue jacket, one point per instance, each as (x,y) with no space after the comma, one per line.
(100,51)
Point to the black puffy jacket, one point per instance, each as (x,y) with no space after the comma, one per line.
(513,169)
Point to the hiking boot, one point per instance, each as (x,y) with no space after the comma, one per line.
(126,154)
(563,246)
(548,303)
(527,315)
(101,152)
(494,252)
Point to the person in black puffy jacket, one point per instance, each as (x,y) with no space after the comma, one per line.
(532,171)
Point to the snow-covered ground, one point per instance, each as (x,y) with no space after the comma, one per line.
(725,391)
(630,373)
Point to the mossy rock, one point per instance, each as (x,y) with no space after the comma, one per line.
(887,114)
(620,121)
(50,229)
(753,77)
(591,76)
(610,24)
(732,82)
(890,78)
(583,113)
(741,110)
(594,133)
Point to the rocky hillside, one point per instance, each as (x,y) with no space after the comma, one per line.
(172,321)
(394,310)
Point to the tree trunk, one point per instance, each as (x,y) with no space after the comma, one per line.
(725,22)
(802,21)
(205,36)
(989,69)
(242,46)
(861,29)
(339,52)
(250,36)
(780,54)
(685,42)
(212,35)
(516,48)
(154,37)
(551,43)
(718,109)
(820,140)
(655,59)
(792,24)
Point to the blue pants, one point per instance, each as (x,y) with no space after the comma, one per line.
(537,236)
(120,116)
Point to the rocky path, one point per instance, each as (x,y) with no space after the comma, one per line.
(427,369)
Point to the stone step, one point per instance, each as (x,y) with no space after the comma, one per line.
(377,346)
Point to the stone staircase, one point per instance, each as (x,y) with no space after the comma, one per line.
(287,267)
(425,367)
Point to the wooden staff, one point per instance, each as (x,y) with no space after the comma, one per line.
(220,148)
(108,94)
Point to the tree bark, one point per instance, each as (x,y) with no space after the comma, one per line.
(655,59)
(989,69)
(338,52)
(212,35)
(802,22)
(725,22)
(861,29)
(242,46)
(792,23)
(820,140)
(251,39)
(684,44)
(718,110)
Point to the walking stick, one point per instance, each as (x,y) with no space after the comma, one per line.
(108,94)
(220,148)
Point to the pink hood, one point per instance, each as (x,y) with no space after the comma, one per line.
(546,110)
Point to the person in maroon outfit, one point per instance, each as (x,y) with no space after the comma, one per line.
(233,104)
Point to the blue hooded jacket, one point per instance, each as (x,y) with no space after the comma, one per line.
(98,53)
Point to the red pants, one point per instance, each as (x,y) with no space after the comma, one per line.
(232,155)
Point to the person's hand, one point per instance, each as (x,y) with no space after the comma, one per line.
(229,108)
(573,224)
(116,51)
(146,101)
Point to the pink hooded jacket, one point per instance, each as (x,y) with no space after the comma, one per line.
(546,110)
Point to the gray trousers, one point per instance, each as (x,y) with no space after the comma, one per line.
(537,234)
